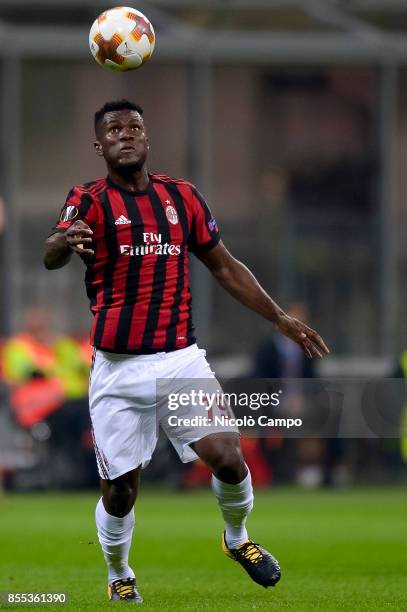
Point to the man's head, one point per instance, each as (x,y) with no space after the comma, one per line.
(38,323)
(120,135)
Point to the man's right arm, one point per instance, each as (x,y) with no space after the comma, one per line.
(57,252)
(60,246)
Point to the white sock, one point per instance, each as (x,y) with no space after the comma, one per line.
(115,535)
(236,502)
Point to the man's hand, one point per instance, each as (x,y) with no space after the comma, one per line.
(308,339)
(79,235)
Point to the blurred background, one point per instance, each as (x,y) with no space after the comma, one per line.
(290,116)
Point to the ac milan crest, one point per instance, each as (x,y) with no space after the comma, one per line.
(171,215)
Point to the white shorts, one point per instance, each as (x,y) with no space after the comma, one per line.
(126,413)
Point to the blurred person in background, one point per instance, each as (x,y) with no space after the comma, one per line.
(311,461)
(280,357)
(47,375)
(38,352)
(30,353)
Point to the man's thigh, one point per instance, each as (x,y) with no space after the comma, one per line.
(123,414)
(196,409)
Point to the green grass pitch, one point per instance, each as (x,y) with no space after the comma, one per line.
(339,550)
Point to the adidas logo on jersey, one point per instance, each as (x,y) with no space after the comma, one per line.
(122,220)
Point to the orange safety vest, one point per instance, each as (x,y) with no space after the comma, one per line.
(36,399)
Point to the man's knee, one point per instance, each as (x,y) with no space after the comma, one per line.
(226,460)
(230,466)
(120,494)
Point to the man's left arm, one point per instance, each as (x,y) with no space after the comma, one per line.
(237,280)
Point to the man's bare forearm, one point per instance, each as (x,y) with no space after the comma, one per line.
(57,252)
(237,280)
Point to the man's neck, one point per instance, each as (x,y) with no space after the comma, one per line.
(132,180)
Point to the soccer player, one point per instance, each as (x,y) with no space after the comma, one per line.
(133,230)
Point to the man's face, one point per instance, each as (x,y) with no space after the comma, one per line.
(122,139)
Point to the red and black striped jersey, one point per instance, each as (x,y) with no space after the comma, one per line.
(138,280)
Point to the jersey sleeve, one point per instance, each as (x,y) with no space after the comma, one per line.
(204,233)
(79,204)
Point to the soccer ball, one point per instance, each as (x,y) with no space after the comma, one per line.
(121,39)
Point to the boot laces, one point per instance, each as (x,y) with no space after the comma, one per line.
(251,552)
(124,587)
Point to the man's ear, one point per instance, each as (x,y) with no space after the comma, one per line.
(98,148)
(148,143)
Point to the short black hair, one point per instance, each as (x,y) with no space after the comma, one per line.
(115,105)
